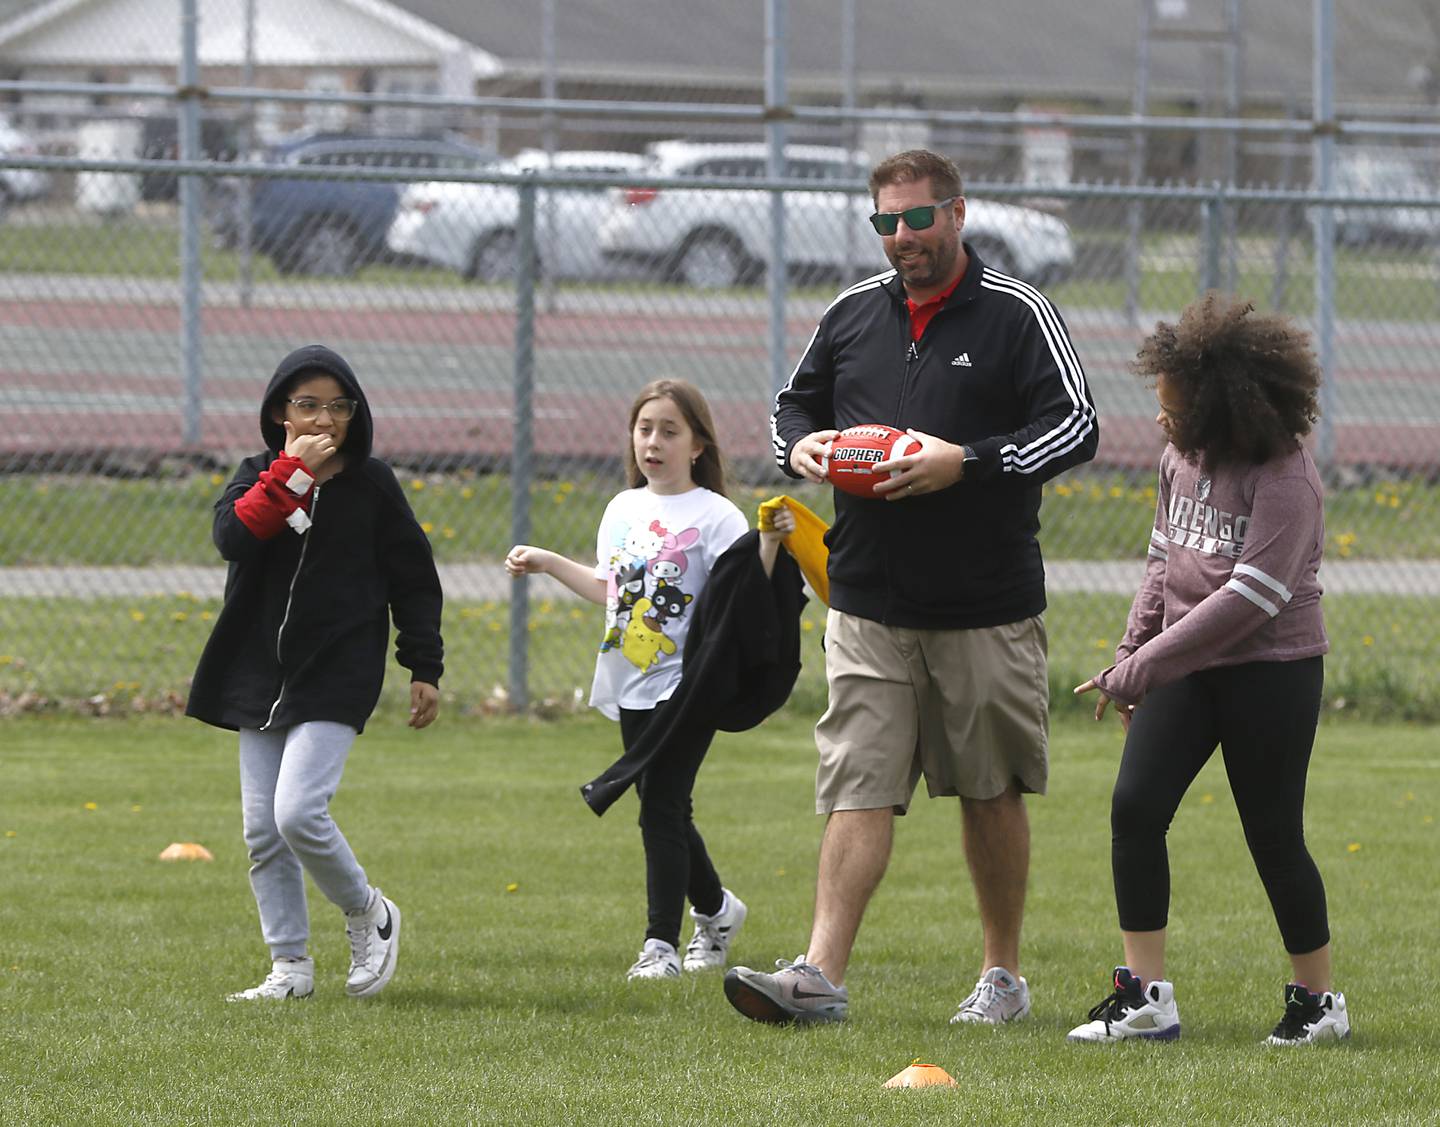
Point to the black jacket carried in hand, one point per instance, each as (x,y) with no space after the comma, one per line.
(742,656)
(306,622)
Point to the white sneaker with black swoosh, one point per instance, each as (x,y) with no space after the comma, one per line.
(288,978)
(374,934)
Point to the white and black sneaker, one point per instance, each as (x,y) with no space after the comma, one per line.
(1145,1013)
(710,944)
(1311,1017)
(657,960)
(374,934)
(288,978)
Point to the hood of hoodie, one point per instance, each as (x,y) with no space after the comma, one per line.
(317,358)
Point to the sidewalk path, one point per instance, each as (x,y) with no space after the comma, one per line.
(478,582)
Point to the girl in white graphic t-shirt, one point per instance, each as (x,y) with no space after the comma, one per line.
(656,545)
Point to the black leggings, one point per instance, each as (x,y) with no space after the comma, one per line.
(676,861)
(1263,716)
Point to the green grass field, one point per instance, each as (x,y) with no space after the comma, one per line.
(137,654)
(1089,515)
(522,911)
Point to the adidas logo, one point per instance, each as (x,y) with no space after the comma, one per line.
(961,361)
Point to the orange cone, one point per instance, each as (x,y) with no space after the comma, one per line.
(921,1076)
(185,851)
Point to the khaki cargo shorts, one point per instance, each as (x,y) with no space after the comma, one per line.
(968,709)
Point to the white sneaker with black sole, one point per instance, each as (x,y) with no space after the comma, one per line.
(998,997)
(657,960)
(374,934)
(1132,1011)
(1310,1018)
(288,978)
(710,944)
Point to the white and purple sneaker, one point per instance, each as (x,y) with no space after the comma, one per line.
(1146,1013)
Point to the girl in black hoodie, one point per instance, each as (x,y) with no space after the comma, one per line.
(297,657)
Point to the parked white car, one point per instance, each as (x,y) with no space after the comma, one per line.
(715,237)
(1383,172)
(17,184)
(471,228)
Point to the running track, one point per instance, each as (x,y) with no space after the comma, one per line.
(91,367)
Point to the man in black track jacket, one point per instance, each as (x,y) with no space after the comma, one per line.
(935,649)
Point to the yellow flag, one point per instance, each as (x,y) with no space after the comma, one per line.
(806,543)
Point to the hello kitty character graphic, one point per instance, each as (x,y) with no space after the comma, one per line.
(645,542)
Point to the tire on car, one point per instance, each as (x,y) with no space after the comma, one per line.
(712,259)
(495,257)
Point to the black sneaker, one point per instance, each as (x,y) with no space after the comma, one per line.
(1311,1017)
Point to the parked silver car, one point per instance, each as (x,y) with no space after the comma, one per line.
(471,228)
(715,237)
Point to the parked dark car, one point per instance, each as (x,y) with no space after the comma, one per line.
(334,227)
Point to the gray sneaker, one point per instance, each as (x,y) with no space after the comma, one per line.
(998,997)
(796,991)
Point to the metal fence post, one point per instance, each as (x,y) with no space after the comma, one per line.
(776,277)
(1324,124)
(1212,235)
(188,127)
(522,442)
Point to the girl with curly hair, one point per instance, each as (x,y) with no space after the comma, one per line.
(1223,646)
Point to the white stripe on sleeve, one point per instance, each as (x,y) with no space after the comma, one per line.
(1259,600)
(1269,580)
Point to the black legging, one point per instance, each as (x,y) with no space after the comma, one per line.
(1263,716)
(676,861)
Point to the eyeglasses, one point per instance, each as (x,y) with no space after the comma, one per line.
(342,410)
(916,218)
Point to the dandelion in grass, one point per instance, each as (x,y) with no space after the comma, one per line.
(217,479)
(448,532)
(1102,643)
(1207,799)
(1353,847)
(513,886)
(180,616)
(206,616)
(9,833)
(1117,492)
(137,616)
(1368,640)
(466,492)
(416,484)
(135,809)
(495,628)
(427,527)
(92,806)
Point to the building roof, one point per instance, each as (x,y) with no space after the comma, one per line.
(938,50)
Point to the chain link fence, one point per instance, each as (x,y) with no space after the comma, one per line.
(502,311)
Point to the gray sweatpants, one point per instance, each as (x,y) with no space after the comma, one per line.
(287,779)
